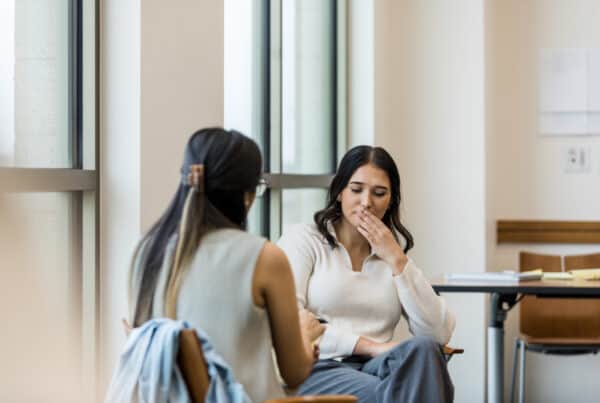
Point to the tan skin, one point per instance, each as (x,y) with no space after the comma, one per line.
(360,230)
(293,332)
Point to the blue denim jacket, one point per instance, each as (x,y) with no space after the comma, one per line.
(147,371)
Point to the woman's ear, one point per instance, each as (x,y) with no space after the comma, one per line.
(249,199)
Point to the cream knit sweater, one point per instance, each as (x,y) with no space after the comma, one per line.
(368,303)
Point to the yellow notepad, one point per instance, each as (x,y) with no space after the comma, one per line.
(586,274)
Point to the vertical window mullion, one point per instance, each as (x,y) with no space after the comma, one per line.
(340,91)
(88,152)
(75,83)
(334,84)
(274,132)
(265,225)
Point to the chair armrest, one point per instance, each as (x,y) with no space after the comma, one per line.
(450,351)
(315,399)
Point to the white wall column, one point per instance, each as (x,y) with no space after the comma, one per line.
(161,79)
(429,113)
(361,79)
(119,169)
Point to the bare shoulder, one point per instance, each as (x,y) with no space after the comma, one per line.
(271,272)
(271,259)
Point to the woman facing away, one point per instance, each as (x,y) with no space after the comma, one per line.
(198,264)
(352,271)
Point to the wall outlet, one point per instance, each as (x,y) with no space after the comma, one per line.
(576,159)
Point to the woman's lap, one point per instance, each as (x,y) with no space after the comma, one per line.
(405,372)
(334,377)
(382,364)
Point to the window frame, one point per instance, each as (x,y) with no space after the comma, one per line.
(278,181)
(81,180)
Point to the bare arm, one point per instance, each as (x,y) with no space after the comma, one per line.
(273,288)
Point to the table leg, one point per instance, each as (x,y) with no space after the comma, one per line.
(495,345)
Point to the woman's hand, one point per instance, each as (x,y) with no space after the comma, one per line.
(126,326)
(311,330)
(382,241)
(371,348)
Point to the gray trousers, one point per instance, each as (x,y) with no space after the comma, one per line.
(413,371)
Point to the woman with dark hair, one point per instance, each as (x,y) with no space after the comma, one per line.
(352,272)
(197,264)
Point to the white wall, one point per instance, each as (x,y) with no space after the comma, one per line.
(181,90)
(162,78)
(429,113)
(525,170)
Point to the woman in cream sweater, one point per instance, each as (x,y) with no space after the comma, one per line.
(351,270)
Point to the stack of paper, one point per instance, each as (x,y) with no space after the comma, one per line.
(557,275)
(582,274)
(508,276)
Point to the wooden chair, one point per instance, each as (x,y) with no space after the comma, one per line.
(555,325)
(190,360)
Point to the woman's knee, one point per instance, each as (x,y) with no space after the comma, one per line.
(425,345)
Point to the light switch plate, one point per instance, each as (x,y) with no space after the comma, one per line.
(577,159)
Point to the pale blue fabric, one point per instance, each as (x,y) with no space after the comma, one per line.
(147,371)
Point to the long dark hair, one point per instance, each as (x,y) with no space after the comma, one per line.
(352,160)
(231,167)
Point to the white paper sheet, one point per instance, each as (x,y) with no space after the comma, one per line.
(563,80)
(569,91)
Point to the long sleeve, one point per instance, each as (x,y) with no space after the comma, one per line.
(302,248)
(302,257)
(427,313)
(336,343)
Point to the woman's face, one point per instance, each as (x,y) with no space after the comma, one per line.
(368,188)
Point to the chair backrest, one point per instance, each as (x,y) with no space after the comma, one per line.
(574,262)
(192,365)
(559,317)
(540,317)
(586,310)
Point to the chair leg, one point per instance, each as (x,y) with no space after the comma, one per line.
(522,372)
(514,369)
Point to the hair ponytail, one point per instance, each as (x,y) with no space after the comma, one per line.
(191,229)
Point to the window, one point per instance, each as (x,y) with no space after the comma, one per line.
(292,100)
(48,197)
